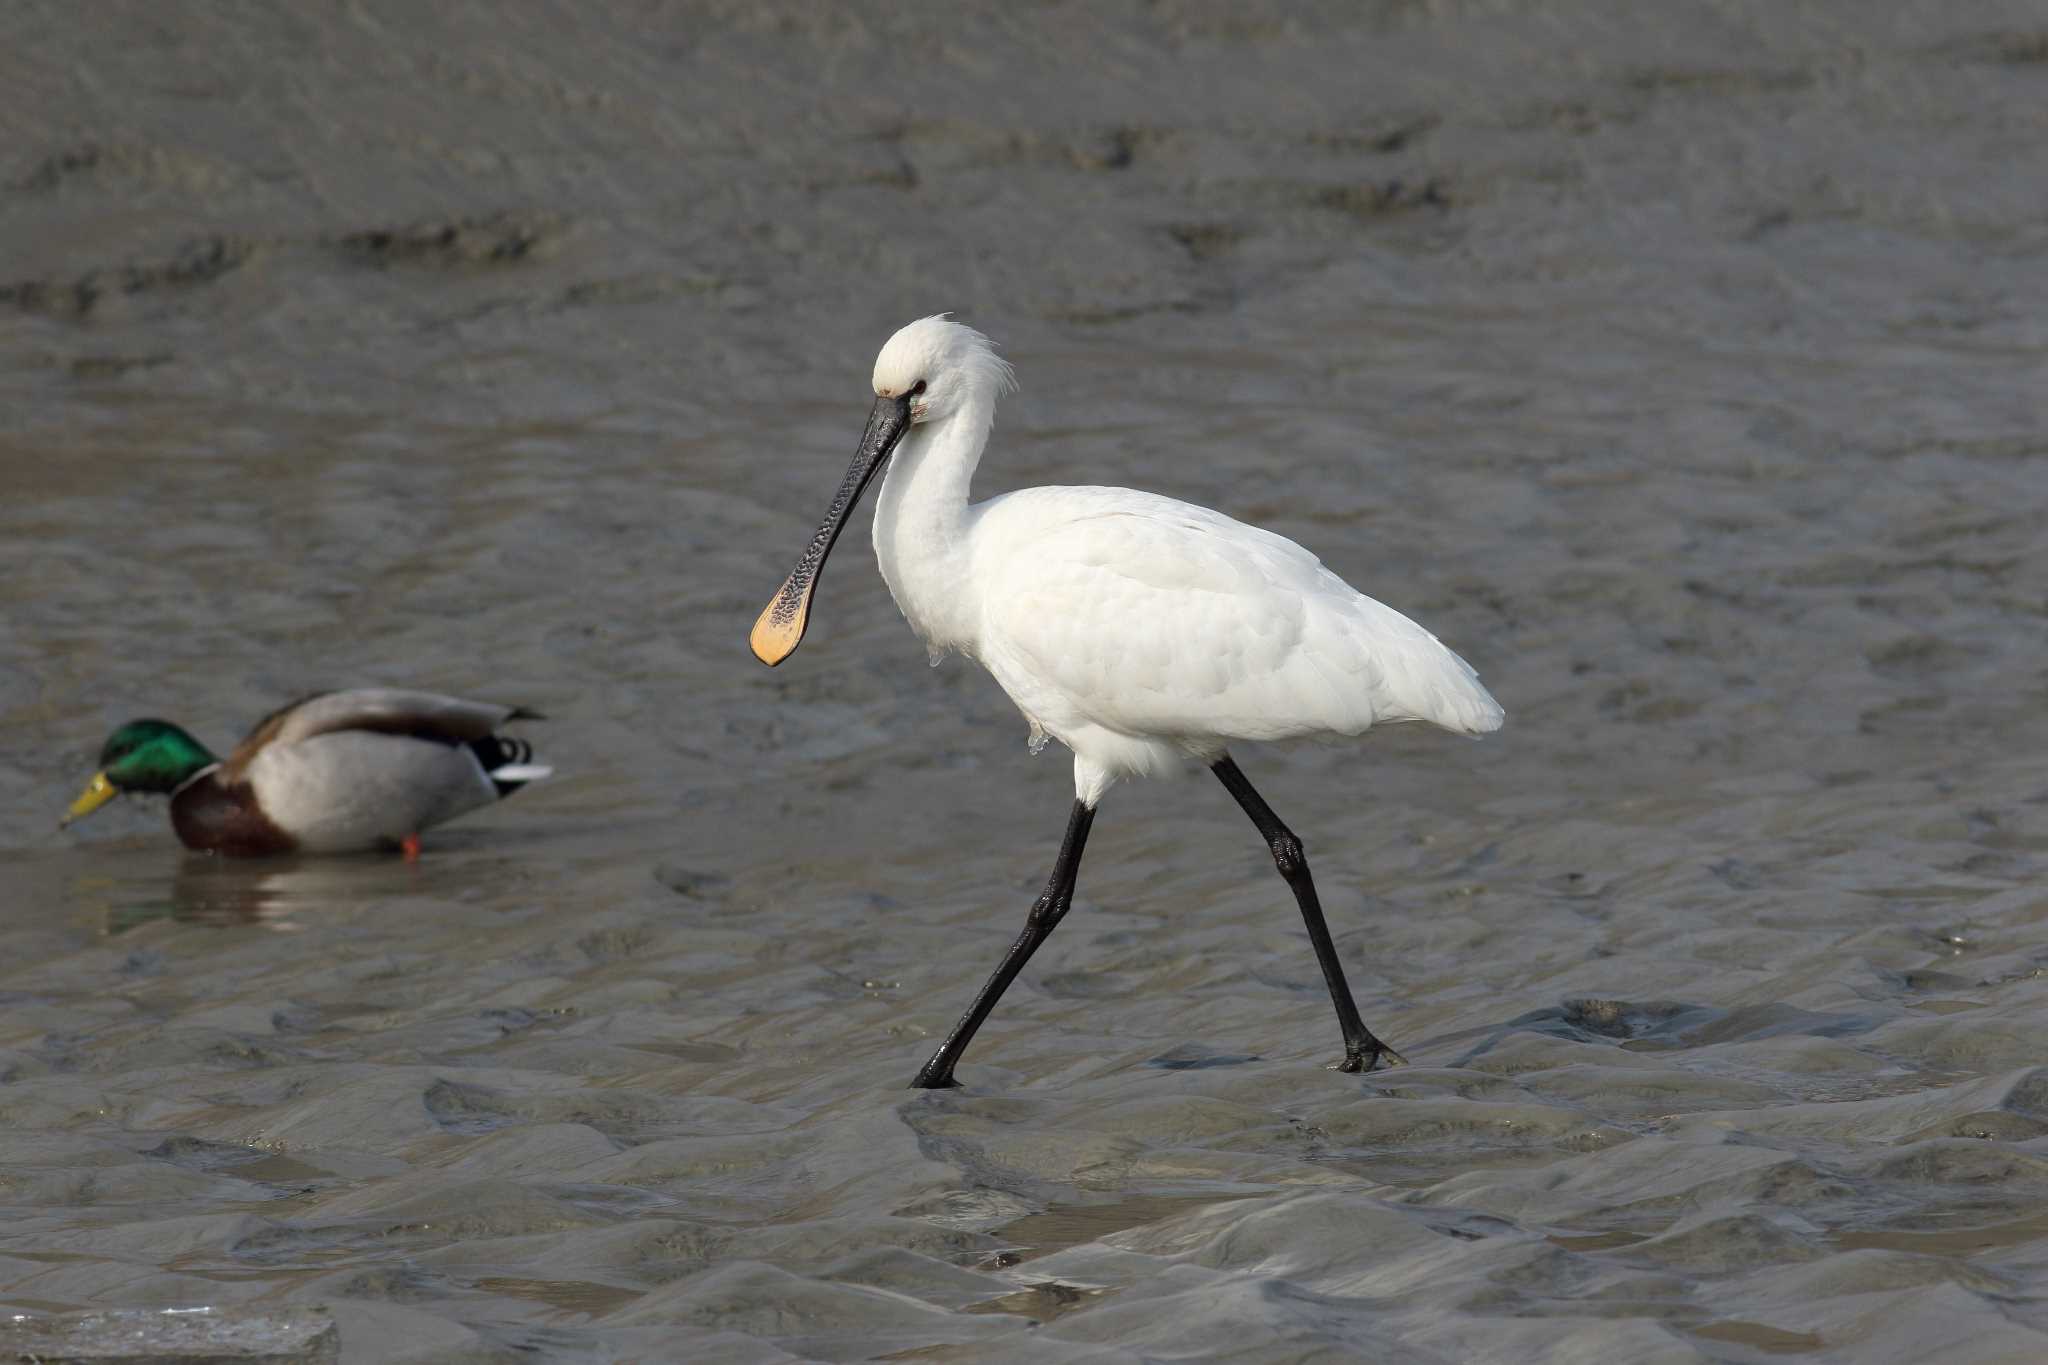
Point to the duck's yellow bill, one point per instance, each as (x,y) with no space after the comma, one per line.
(97,793)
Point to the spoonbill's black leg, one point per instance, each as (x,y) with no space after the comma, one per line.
(1361,1050)
(1046,913)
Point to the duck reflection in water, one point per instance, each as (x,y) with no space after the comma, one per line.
(277,893)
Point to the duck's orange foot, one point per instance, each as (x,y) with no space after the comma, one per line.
(410,847)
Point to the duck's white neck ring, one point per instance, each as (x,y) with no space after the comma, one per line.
(206,771)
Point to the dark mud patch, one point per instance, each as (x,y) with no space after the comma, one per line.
(197,263)
(462,243)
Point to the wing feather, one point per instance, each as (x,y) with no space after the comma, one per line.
(1158,618)
(381,710)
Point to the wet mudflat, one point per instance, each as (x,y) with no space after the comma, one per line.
(1683,370)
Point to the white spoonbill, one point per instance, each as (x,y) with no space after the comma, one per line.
(1140,632)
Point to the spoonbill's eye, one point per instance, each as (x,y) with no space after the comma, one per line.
(917,388)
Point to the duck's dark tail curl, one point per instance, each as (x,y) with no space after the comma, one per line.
(508,762)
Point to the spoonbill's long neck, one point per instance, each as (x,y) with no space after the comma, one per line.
(922,525)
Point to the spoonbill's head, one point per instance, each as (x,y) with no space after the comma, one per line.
(939,365)
(928,371)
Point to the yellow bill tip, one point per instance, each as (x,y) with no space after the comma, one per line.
(780,627)
(97,793)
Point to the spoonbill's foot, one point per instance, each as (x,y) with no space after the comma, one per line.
(410,847)
(934,1077)
(1358,1060)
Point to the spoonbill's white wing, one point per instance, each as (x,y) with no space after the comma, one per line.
(1152,617)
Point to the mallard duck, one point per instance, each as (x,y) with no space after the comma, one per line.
(330,773)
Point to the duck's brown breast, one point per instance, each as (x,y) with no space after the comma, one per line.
(218,817)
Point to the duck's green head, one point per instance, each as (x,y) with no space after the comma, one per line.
(141,756)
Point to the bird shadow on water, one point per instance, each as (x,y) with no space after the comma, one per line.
(1195,1057)
(1658,1025)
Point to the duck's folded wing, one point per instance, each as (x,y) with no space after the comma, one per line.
(380,710)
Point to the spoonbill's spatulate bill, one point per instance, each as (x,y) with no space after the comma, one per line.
(1140,632)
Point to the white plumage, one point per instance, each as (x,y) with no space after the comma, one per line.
(1142,633)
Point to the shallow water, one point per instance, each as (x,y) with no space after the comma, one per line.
(1682,370)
